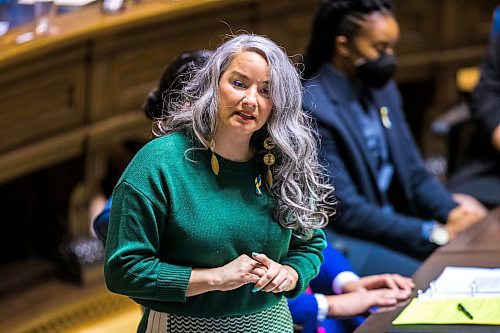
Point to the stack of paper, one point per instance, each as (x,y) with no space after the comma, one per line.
(477,290)
(457,282)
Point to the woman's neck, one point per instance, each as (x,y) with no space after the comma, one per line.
(233,149)
(343,65)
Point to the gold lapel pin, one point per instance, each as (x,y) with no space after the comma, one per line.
(384,115)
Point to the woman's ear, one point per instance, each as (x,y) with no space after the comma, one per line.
(342,46)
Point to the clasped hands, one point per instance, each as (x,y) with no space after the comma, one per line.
(266,274)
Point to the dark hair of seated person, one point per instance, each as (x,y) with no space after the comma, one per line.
(172,81)
(337,18)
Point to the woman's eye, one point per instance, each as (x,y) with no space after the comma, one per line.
(238,84)
(265,92)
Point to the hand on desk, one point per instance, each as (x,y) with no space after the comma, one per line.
(358,302)
(359,296)
(370,282)
(468,212)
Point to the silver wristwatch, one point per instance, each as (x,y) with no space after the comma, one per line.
(439,235)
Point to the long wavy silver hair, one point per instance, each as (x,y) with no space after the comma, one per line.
(301,189)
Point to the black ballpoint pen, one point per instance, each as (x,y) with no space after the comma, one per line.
(462,309)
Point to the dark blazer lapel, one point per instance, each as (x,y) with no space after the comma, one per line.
(341,97)
(390,134)
(393,136)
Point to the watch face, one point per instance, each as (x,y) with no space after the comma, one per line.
(439,236)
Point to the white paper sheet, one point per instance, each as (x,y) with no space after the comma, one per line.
(465,282)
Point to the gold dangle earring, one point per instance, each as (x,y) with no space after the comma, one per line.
(269,160)
(213,161)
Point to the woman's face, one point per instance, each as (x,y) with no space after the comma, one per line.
(244,100)
(378,34)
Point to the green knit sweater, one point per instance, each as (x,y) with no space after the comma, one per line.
(170,214)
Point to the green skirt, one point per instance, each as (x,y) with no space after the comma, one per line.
(276,319)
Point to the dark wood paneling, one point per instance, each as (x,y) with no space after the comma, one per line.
(418,22)
(46,100)
(132,60)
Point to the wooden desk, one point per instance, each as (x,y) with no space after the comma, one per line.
(478,247)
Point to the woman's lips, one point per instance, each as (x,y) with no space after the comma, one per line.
(245,116)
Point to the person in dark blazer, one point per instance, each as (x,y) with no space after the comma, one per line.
(479,176)
(392,213)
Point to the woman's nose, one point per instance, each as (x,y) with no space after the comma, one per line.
(250,99)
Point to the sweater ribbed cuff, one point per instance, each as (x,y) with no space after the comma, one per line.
(172,282)
(302,282)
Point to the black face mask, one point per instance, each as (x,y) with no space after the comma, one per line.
(376,73)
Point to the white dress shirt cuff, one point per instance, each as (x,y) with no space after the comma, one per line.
(341,279)
(322,307)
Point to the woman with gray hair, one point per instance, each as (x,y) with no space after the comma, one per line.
(217,220)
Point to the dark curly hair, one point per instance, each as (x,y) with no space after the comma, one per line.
(334,18)
(172,81)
